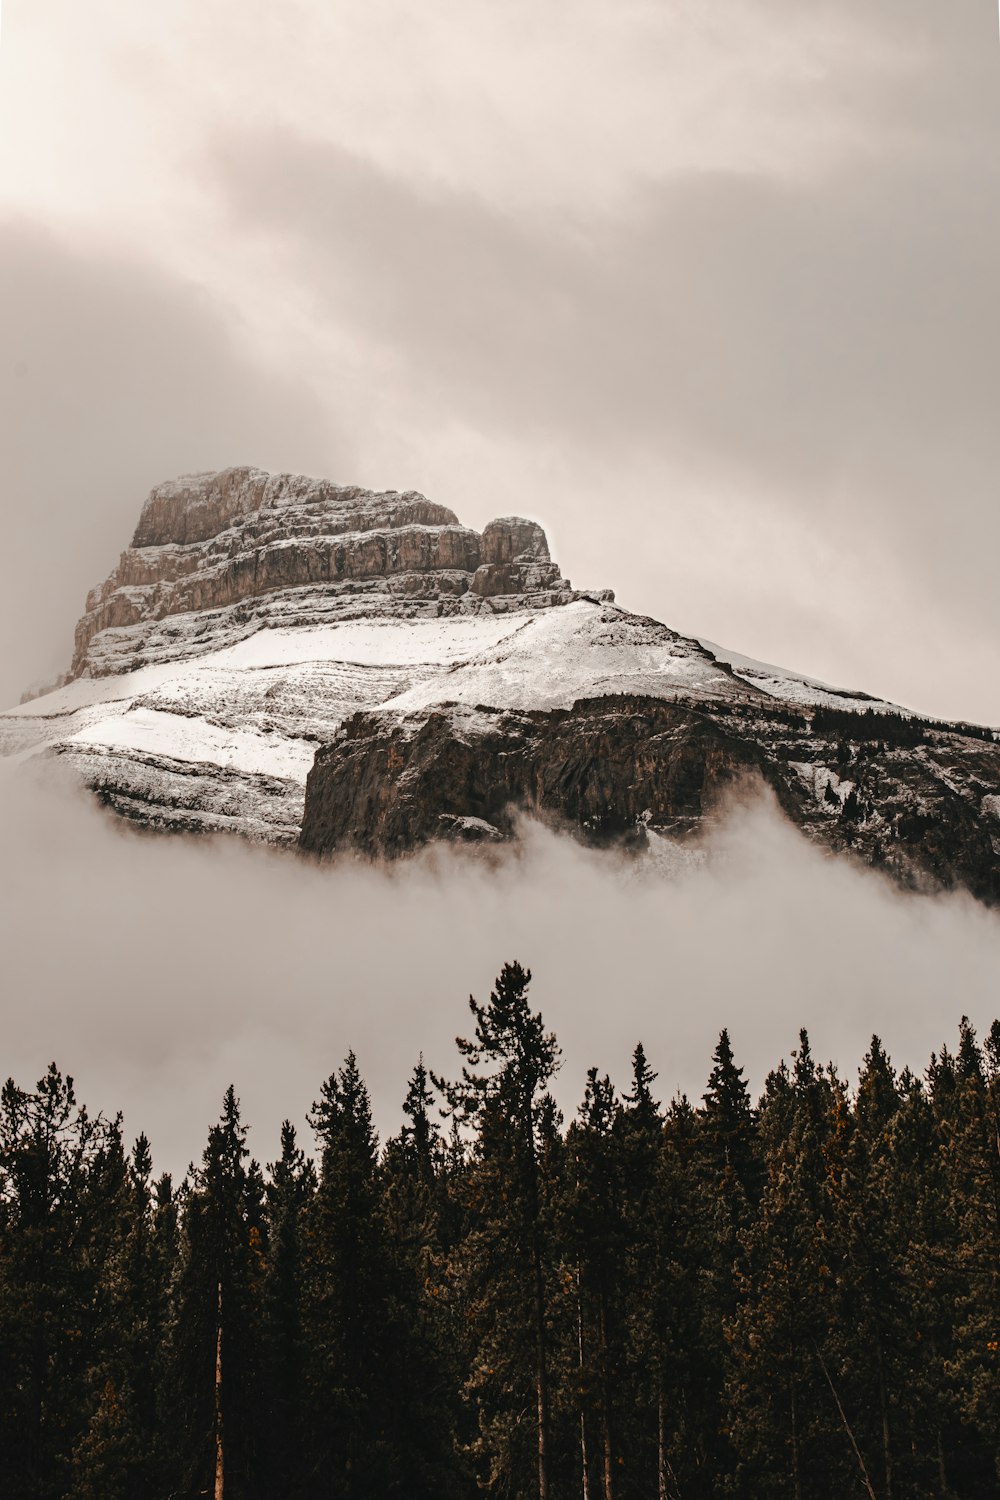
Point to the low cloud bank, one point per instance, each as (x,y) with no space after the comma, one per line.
(157,970)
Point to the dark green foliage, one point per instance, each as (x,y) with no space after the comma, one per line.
(60,1172)
(711,1302)
(290,1192)
(213,1353)
(502,1266)
(895,731)
(377,1418)
(847,725)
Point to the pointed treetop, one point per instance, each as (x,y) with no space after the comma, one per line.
(805,1063)
(511,1056)
(878,1095)
(639,1099)
(992,1049)
(970,1059)
(726,1093)
(343,1116)
(599,1108)
(142,1159)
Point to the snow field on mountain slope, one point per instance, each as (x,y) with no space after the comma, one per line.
(262,704)
(257,706)
(438,641)
(792,688)
(177,737)
(580,650)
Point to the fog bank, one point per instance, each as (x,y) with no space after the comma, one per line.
(158,970)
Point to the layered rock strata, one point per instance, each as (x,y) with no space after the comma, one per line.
(325,666)
(244,549)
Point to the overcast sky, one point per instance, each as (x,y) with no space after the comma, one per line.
(710,290)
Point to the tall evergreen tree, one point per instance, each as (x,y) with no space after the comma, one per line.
(784,1426)
(52,1236)
(215,1355)
(593,1228)
(507,1067)
(289,1197)
(122,1454)
(970,1119)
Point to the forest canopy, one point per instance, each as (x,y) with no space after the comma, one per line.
(798,1296)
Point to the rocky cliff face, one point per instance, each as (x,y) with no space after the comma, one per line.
(244,549)
(917,804)
(305,663)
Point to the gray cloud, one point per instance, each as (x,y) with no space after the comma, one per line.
(157,971)
(114,376)
(829,345)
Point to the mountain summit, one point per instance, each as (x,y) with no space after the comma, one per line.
(302,662)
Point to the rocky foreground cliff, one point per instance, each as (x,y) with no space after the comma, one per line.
(304,663)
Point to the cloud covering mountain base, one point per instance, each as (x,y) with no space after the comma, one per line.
(157,970)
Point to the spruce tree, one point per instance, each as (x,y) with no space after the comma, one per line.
(53,1235)
(594,1237)
(289,1195)
(501,1265)
(788,1422)
(970,1120)
(639,1130)
(214,1367)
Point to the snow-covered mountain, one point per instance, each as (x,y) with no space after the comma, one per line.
(446,677)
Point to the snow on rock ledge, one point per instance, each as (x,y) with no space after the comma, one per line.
(229,547)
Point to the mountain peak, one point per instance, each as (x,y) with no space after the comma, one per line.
(196,507)
(308,663)
(224,554)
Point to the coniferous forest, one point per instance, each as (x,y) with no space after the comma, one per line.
(798,1297)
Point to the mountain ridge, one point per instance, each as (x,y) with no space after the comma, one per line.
(325,666)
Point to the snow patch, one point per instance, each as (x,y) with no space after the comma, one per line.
(792,687)
(178,737)
(820,780)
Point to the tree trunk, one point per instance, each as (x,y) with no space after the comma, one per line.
(796,1477)
(584,1462)
(846,1425)
(609,1477)
(220,1465)
(661,1441)
(942,1471)
(541,1373)
(886,1442)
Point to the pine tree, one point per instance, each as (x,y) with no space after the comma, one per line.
(121,1455)
(729,1133)
(639,1130)
(971,1129)
(376,1431)
(594,1236)
(789,1425)
(415,1175)
(214,1371)
(501,1265)
(289,1196)
(50,1227)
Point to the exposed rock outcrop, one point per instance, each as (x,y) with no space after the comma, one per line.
(243,548)
(623,768)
